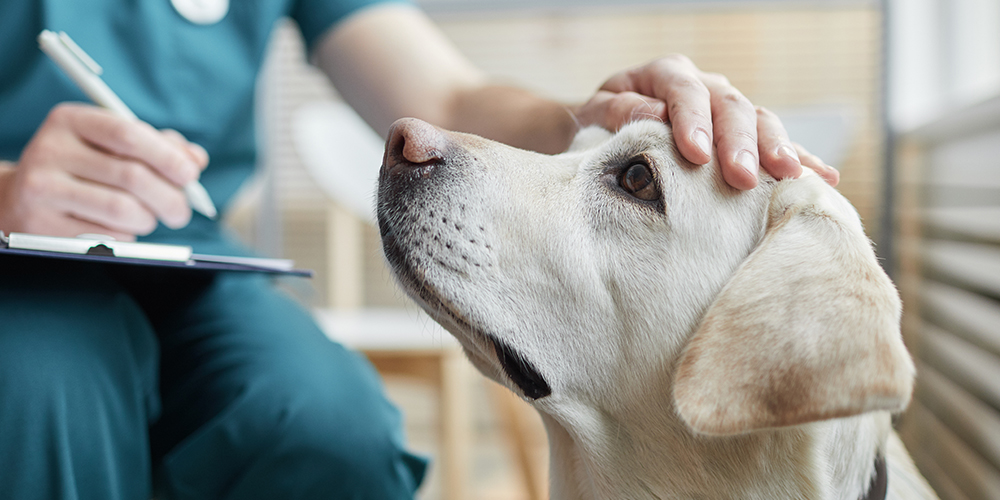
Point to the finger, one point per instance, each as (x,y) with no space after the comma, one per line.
(828,173)
(131,139)
(735,122)
(195,151)
(614,110)
(100,205)
(61,224)
(777,155)
(676,81)
(165,200)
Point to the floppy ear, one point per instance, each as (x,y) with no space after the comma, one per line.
(807,329)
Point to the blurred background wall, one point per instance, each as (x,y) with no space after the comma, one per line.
(867,85)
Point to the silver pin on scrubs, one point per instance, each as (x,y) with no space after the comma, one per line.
(202,11)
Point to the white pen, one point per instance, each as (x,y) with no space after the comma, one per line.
(85,72)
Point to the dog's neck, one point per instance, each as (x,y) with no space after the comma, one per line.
(600,455)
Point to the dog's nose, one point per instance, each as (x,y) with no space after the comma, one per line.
(413,143)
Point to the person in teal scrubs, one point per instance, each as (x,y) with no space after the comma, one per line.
(117,383)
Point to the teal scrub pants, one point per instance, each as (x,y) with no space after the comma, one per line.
(117,382)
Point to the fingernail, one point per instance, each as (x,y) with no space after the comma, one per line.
(788,152)
(747,160)
(704,143)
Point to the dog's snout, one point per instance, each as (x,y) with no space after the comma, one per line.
(413,143)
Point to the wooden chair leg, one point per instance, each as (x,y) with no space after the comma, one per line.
(456,431)
(519,439)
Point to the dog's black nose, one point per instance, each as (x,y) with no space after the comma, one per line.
(413,144)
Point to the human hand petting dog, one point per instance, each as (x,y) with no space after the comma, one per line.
(703,108)
(86,170)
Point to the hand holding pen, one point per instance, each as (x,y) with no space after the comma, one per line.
(92,170)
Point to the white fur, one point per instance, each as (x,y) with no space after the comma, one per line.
(722,344)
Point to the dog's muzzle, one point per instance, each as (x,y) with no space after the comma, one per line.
(416,169)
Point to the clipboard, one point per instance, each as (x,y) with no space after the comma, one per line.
(98,248)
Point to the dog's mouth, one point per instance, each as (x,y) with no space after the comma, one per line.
(520,371)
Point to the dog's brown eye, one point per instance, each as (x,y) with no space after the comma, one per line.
(638,181)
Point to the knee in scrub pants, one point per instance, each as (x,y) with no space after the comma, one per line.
(77,384)
(304,417)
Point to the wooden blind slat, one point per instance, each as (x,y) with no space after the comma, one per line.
(976,370)
(943,485)
(972,264)
(968,315)
(973,476)
(973,222)
(970,419)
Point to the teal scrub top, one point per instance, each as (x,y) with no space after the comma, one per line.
(197,79)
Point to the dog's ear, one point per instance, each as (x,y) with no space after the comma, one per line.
(807,329)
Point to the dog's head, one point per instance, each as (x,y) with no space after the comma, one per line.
(617,272)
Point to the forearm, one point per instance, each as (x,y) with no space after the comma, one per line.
(513,116)
(391,62)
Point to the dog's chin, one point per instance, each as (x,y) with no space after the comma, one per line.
(473,338)
(519,370)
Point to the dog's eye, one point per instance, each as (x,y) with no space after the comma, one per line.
(638,181)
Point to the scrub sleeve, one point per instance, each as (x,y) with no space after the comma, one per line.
(117,382)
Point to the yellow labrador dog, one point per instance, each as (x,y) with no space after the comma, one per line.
(680,339)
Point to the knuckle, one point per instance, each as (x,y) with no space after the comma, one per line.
(699,114)
(621,110)
(742,139)
(677,58)
(688,84)
(630,99)
(763,112)
(735,98)
(43,150)
(128,176)
(124,136)
(119,208)
(717,79)
(746,135)
(62,112)
(35,184)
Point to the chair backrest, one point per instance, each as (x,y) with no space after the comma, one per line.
(341,153)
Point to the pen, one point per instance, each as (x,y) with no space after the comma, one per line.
(85,72)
